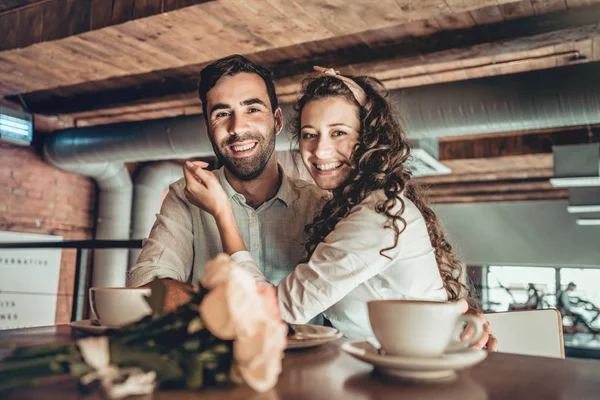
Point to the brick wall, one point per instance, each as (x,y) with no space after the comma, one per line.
(37,198)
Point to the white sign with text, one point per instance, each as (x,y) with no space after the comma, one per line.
(28,282)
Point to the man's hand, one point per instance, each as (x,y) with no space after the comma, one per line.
(487,340)
(203,189)
(178,293)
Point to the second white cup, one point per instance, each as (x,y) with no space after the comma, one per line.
(415,328)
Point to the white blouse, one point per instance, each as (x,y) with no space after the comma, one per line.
(346,270)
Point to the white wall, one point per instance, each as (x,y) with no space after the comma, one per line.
(540,233)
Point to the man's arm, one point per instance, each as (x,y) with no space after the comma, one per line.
(567,303)
(178,293)
(168,252)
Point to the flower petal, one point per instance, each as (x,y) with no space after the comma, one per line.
(214,311)
(217,271)
(258,357)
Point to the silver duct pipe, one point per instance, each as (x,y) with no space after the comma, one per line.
(114,214)
(150,182)
(551,98)
(163,139)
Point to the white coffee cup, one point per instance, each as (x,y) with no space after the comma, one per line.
(415,328)
(115,307)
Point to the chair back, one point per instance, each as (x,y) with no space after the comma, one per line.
(529,332)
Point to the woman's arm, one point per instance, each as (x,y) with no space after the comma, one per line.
(348,257)
(204,190)
(231,239)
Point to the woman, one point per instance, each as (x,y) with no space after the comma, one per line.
(376,238)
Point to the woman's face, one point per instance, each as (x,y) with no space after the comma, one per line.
(329,129)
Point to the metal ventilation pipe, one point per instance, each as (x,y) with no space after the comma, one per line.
(114,214)
(149,184)
(557,97)
(163,139)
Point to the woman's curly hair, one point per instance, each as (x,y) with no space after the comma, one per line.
(378,163)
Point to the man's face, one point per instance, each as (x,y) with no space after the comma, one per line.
(241,124)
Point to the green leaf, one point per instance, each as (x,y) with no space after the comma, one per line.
(31,352)
(166,366)
(192,345)
(221,377)
(195,373)
(221,349)
(78,369)
(195,325)
(156,300)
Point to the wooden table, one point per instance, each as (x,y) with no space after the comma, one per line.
(326,372)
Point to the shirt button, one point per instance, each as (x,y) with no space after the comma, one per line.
(255,246)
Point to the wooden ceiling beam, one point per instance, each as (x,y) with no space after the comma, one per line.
(492,187)
(533,166)
(27,22)
(478,51)
(487,176)
(10,5)
(510,144)
(192,36)
(526,162)
(558,194)
(208,31)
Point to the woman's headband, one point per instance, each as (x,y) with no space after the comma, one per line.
(357,91)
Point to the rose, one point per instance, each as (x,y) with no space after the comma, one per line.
(258,356)
(238,309)
(233,306)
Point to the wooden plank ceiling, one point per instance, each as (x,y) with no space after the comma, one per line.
(81,63)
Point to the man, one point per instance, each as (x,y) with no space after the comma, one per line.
(573,306)
(271,209)
(565,297)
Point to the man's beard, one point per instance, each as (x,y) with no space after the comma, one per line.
(247,168)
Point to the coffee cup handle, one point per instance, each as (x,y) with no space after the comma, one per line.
(92,305)
(458,343)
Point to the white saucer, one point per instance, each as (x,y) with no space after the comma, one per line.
(86,325)
(311,336)
(435,368)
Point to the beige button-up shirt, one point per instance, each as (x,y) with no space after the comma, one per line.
(184,237)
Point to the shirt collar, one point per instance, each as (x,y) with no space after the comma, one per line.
(285,193)
(229,191)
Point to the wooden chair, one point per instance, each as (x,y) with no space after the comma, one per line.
(530,332)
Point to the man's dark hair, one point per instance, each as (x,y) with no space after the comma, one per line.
(229,66)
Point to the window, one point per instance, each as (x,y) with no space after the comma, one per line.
(508,286)
(587,290)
